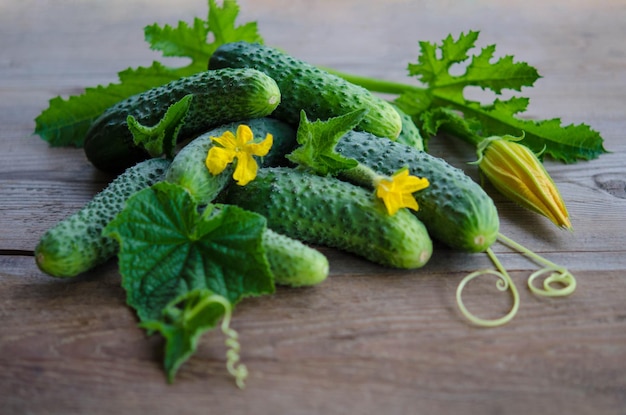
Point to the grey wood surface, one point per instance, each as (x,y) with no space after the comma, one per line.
(368,340)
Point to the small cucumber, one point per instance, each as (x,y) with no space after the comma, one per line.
(454,208)
(303,86)
(76,244)
(188,168)
(219,97)
(292,262)
(330,212)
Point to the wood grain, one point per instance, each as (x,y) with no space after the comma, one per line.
(368,340)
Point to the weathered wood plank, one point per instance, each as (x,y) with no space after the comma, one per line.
(400,343)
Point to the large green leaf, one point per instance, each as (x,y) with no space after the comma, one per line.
(168,247)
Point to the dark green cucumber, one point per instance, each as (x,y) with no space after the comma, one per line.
(334,213)
(188,168)
(305,87)
(219,97)
(76,244)
(454,208)
(292,262)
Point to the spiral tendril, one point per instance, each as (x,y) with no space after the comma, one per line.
(559,276)
(233,364)
(503,283)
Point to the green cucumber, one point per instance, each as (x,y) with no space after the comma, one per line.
(305,87)
(293,263)
(454,208)
(75,244)
(218,97)
(188,168)
(410,134)
(327,211)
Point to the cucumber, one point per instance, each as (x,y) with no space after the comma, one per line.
(334,213)
(292,262)
(454,208)
(188,168)
(219,97)
(303,86)
(410,134)
(75,244)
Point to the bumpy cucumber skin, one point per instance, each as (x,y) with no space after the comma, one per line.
(292,262)
(76,244)
(303,86)
(454,208)
(188,168)
(330,212)
(219,97)
(410,134)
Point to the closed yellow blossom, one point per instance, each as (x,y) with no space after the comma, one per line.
(397,191)
(516,172)
(240,147)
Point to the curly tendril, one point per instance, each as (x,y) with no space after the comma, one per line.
(559,283)
(233,364)
(504,283)
(558,274)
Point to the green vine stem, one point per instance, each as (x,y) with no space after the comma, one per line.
(374,84)
(504,282)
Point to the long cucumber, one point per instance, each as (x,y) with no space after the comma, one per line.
(330,212)
(454,208)
(306,87)
(218,97)
(76,244)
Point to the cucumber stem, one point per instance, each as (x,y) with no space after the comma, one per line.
(362,175)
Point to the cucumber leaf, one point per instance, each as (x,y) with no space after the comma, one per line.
(168,247)
(318,139)
(190,41)
(480,71)
(66,120)
(160,139)
(182,323)
(446,91)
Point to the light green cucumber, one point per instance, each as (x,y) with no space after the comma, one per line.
(327,211)
(305,87)
(188,168)
(454,208)
(292,262)
(410,134)
(218,97)
(75,244)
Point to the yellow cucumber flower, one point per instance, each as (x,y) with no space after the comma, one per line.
(240,147)
(397,191)
(516,172)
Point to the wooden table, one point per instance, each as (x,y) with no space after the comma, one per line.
(368,340)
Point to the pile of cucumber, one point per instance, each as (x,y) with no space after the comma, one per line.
(267,89)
